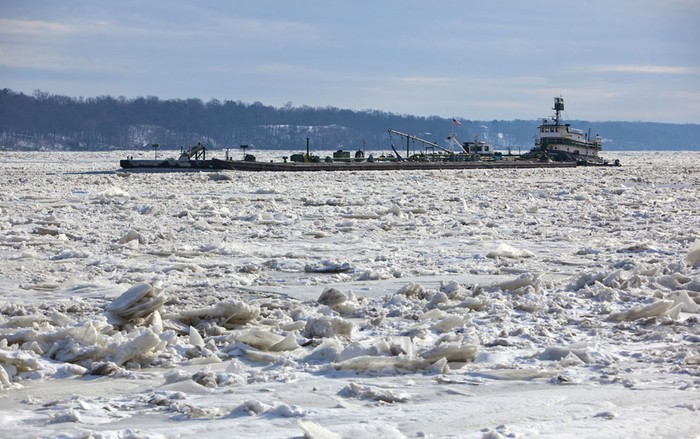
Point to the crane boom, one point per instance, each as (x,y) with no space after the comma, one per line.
(417,139)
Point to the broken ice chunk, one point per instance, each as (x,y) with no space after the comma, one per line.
(453,352)
(656,309)
(328,327)
(693,256)
(137,302)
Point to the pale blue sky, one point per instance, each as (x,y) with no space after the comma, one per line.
(610,59)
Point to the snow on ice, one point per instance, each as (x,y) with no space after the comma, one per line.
(467,303)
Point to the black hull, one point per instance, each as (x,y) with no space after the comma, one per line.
(249,166)
(381,166)
(190,165)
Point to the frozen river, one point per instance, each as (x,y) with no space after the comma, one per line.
(466,303)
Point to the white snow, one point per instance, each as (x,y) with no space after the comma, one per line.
(468,303)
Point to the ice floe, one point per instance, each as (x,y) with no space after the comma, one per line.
(401,304)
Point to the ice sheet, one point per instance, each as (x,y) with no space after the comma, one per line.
(470,303)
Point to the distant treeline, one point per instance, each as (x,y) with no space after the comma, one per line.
(43,121)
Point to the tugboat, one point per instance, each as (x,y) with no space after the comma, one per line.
(558,141)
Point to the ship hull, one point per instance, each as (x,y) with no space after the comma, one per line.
(382,166)
(167,164)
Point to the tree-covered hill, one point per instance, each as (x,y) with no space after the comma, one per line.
(44,121)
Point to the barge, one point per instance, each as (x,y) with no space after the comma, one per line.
(557,146)
(194,158)
(392,165)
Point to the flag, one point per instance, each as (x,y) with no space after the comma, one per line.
(455,122)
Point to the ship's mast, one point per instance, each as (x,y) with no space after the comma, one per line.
(558,108)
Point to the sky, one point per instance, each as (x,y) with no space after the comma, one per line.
(626,60)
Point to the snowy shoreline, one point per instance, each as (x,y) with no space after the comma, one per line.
(471,303)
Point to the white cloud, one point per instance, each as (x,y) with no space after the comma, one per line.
(34,28)
(48,29)
(645,69)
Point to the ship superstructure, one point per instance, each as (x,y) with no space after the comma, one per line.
(559,141)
